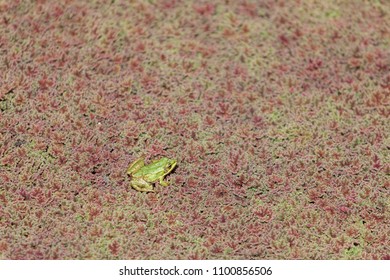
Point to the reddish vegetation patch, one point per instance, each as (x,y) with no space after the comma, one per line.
(276,111)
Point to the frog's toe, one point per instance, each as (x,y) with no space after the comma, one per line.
(164,183)
(141,189)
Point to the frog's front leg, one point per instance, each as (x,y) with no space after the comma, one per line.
(163,183)
(141,185)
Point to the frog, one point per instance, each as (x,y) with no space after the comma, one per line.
(144,176)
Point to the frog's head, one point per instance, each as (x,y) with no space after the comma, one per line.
(170,165)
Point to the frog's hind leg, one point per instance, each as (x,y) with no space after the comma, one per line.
(136,165)
(141,185)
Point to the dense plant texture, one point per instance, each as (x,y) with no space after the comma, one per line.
(277,113)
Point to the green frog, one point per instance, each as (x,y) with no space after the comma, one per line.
(143,176)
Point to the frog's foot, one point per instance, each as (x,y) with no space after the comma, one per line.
(164,183)
(141,185)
